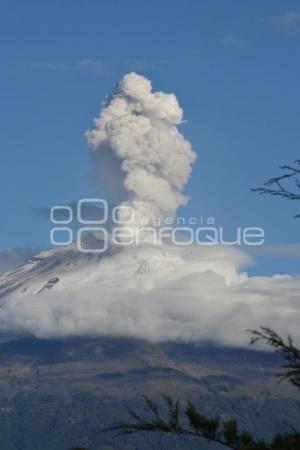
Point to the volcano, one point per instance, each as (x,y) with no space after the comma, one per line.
(82,382)
(84,334)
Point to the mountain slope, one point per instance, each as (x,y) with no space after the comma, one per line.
(56,393)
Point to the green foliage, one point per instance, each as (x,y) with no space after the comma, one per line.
(208,428)
(286,348)
(198,425)
(190,422)
(37,421)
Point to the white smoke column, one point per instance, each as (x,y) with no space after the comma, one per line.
(139,127)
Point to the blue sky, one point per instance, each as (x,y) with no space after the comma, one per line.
(233,65)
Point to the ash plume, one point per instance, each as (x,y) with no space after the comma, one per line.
(139,128)
(158,293)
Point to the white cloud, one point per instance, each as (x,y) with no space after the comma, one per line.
(231,40)
(138,65)
(83,65)
(287,20)
(284,250)
(189,294)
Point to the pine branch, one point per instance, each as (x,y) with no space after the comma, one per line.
(286,348)
(225,433)
(275,186)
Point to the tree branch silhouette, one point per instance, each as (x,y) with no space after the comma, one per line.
(279,186)
(172,418)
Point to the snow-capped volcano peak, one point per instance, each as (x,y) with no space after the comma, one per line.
(150,292)
(66,267)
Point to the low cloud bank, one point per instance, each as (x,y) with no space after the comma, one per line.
(188,294)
